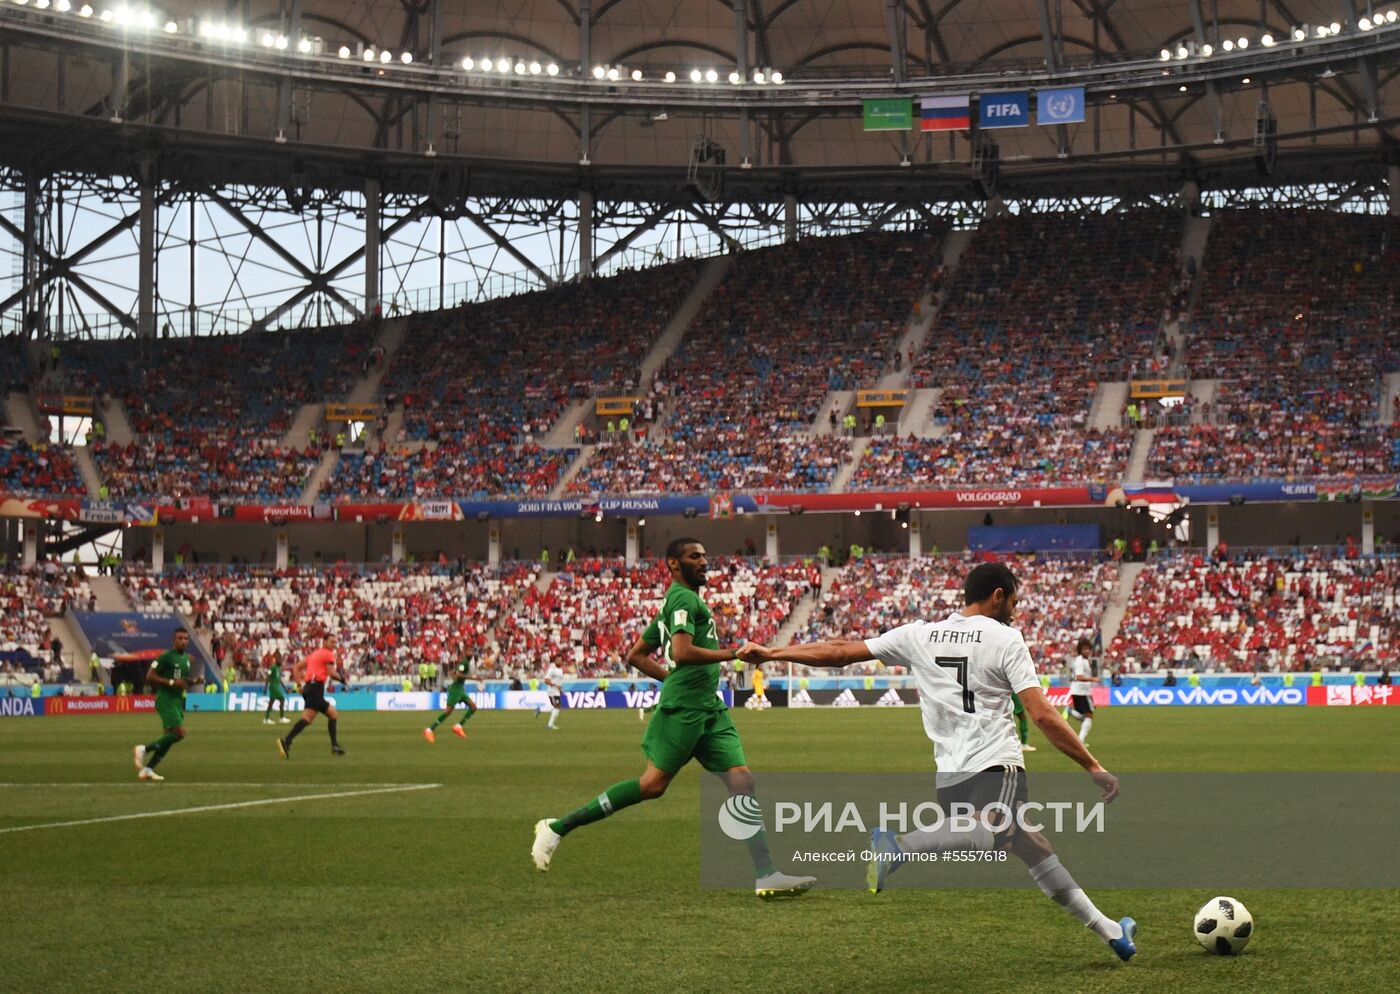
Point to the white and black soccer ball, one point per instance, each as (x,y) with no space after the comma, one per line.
(1223,926)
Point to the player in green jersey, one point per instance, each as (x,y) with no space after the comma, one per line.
(170,675)
(456,694)
(275,691)
(1023,732)
(691,721)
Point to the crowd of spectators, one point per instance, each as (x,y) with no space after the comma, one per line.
(1255,612)
(743,455)
(461,468)
(387,619)
(1042,309)
(786,325)
(591,612)
(208,415)
(1060,600)
(29,596)
(38,470)
(1297,318)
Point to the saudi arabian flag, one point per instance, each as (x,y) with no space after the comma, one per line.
(889,115)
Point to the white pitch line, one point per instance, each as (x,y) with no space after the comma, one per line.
(223,783)
(221,807)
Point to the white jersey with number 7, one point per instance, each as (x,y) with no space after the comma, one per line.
(966,669)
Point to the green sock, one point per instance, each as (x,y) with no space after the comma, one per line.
(614,799)
(159,747)
(466,714)
(1023,729)
(440,719)
(758,852)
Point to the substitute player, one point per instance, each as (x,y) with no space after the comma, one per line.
(967,667)
(456,694)
(170,675)
(313,672)
(691,722)
(275,691)
(1082,677)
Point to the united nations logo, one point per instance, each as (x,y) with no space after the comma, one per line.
(1060,106)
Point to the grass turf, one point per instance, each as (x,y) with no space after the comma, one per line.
(423,890)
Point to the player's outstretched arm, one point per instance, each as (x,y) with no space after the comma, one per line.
(639,658)
(1062,737)
(684,652)
(831,653)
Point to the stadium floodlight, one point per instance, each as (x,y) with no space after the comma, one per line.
(636,75)
(503,65)
(343,51)
(759,76)
(1299,34)
(1335,28)
(266,39)
(1165,54)
(670,76)
(304,46)
(85,10)
(711,76)
(552,69)
(1364,24)
(41,4)
(536,68)
(485,64)
(105,17)
(370,54)
(1227,45)
(1207,50)
(123,16)
(386,56)
(469,63)
(1267,41)
(521,69)
(735,79)
(1246,81)
(1390,16)
(1182,88)
(696,76)
(239,35)
(62,6)
(613,74)
(171,28)
(148,20)
(599,72)
(1181,52)
(406,58)
(776,77)
(1242,44)
(21,3)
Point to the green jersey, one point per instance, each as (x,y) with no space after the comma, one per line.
(173,666)
(274,678)
(686,686)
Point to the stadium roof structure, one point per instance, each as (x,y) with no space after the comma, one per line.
(182,85)
(589,126)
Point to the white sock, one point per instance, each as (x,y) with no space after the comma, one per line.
(1071,713)
(552,715)
(1056,883)
(1084,729)
(944,839)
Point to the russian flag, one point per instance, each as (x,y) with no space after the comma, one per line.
(945,113)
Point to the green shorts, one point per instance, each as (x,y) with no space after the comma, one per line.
(675,736)
(1017,708)
(455,697)
(276,694)
(172,715)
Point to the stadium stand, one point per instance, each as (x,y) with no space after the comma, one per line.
(208,414)
(30,596)
(387,618)
(592,610)
(1061,599)
(1042,308)
(38,470)
(1296,317)
(787,325)
(1257,611)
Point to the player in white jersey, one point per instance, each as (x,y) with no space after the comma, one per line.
(967,667)
(554,689)
(1082,678)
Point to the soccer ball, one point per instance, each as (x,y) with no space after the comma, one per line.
(1223,926)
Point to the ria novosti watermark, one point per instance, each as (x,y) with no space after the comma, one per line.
(1209,830)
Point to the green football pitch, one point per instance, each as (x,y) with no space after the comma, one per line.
(405,866)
